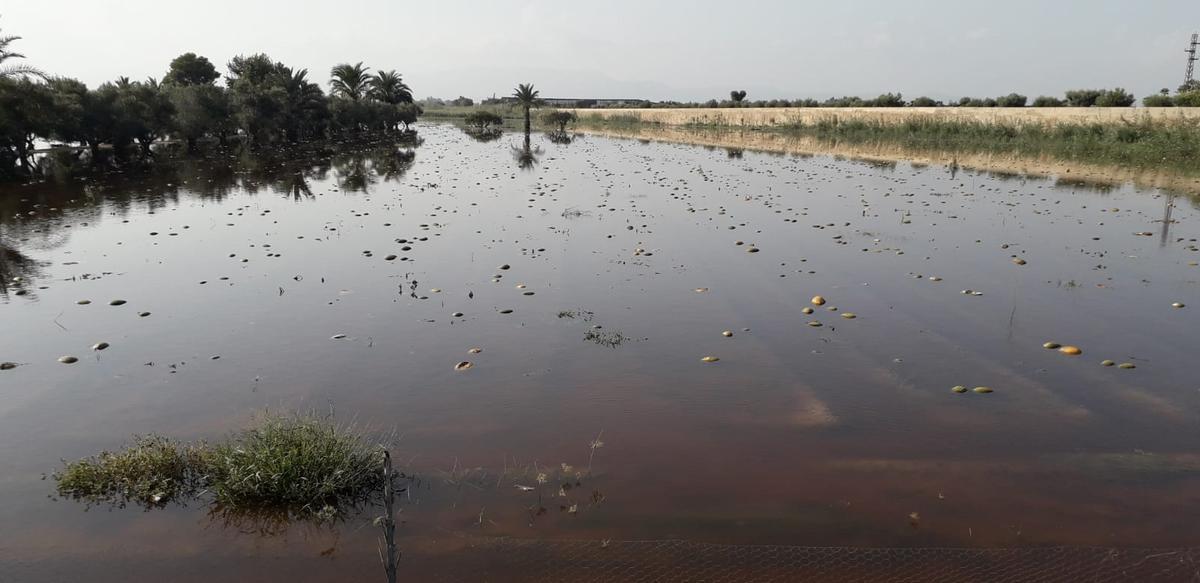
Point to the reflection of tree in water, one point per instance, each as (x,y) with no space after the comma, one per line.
(560,138)
(734,153)
(484,135)
(17,271)
(526,156)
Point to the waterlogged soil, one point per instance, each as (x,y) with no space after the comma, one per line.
(604,339)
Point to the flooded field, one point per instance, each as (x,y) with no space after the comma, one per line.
(605,339)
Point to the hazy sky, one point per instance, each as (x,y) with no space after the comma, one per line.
(688,50)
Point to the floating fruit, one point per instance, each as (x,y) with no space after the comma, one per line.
(1051,345)
(959,389)
(709,359)
(982,390)
(464,365)
(849,315)
(68,360)
(1071,350)
(1107,363)
(1127,365)
(818,301)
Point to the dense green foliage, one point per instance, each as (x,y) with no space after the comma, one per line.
(262,102)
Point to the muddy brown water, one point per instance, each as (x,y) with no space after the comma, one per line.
(846,434)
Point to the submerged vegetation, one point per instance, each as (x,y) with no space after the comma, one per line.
(301,466)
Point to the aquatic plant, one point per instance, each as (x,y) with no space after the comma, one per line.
(301,466)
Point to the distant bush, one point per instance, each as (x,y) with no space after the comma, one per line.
(1083,97)
(924,102)
(1158,101)
(559,118)
(463,102)
(1116,98)
(1012,100)
(585,103)
(843,102)
(1188,99)
(976,102)
(483,119)
(1047,101)
(886,100)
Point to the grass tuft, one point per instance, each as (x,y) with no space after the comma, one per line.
(298,465)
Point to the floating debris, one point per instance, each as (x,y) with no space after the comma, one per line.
(709,359)
(959,389)
(1052,346)
(1071,350)
(1107,363)
(100,346)
(464,365)
(68,359)
(818,301)
(117,303)
(982,390)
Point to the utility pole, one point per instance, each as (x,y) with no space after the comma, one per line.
(1192,50)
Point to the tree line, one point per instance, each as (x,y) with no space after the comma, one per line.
(1187,96)
(261,102)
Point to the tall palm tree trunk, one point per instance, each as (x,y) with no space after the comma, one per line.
(527,123)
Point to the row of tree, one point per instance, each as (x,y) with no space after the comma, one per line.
(1117,97)
(262,101)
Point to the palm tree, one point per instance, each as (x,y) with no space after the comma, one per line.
(388,87)
(349,81)
(527,97)
(11,70)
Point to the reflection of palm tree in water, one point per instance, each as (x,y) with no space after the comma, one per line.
(526,156)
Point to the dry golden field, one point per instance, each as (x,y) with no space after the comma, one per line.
(782,116)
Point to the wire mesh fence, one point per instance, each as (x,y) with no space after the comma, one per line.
(507,559)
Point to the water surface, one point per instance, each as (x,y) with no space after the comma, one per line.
(626,261)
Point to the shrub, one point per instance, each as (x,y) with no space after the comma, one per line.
(924,102)
(559,118)
(1188,99)
(1115,98)
(976,102)
(1012,100)
(886,100)
(1083,97)
(1158,101)
(1047,101)
(483,119)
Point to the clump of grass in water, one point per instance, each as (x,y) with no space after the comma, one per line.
(151,471)
(302,466)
